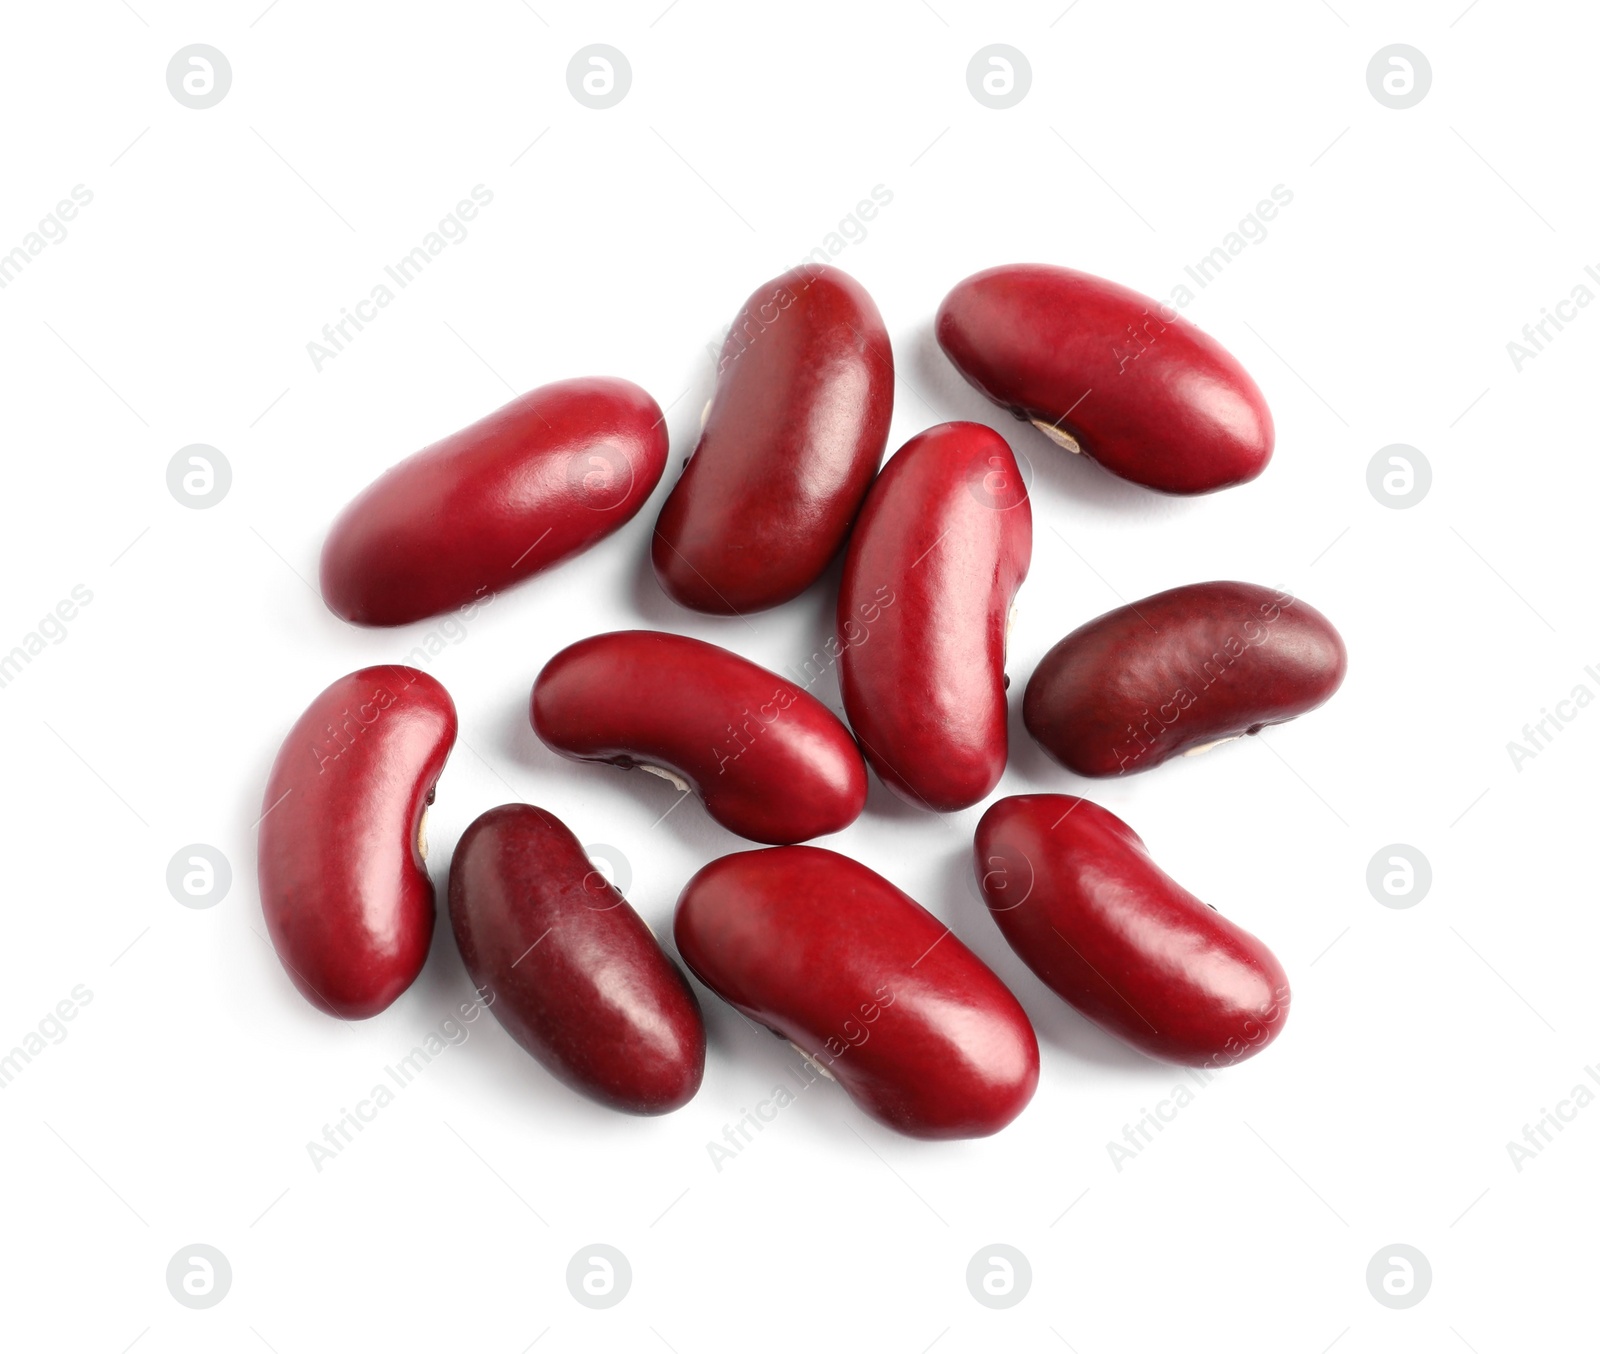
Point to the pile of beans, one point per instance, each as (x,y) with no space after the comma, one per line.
(870,987)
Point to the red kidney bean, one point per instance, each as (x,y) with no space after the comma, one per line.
(770,762)
(1103,370)
(1076,895)
(535,482)
(570,970)
(347,898)
(1180,672)
(792,438)
(940,549)
(873,989)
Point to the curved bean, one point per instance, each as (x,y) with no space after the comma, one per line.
(941,547)
(533,483)
(873,990)
(1077,896)
(1178,673)
(1103,370)
(569,968)
(346,895)
(769,761)
(792,438)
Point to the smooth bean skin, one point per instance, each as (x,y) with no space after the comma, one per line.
(537,481)
(1177,672)
(793,437)
(346,895)
(769,761)
(1136,386)
(1076,895)
(569,968)
(872,988)
(940,549)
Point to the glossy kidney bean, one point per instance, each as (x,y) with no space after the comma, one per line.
(1103,370)
(770,761)
(1076,895)
(874,990)
(345,892)
(538,480)
(792,438)
(939,551)
(1180,672)
(569,968)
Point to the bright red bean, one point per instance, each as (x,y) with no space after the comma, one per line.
(770,761)
(535,482)
(347,898)
(1179,672)
(940,549)
(876,991)
(1077,896)
(794,434)
(1106,371)
(570,970)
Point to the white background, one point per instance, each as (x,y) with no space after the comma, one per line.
(1377,310)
